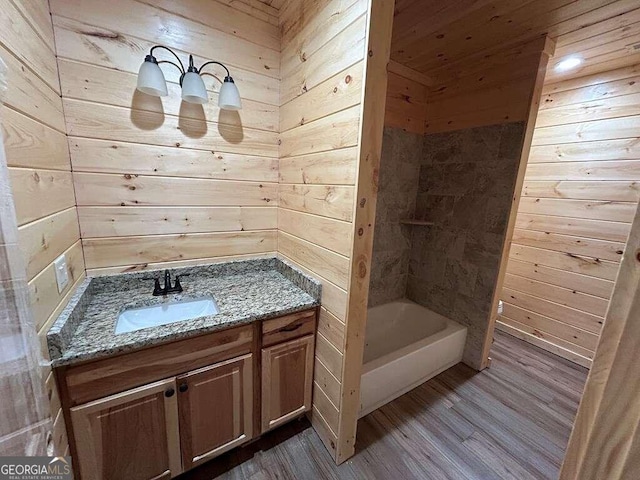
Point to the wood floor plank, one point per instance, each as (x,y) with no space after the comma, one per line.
(511,421)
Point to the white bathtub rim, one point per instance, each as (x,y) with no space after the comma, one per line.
(452,328)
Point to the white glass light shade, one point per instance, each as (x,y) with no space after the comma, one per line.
(151,80)
(229,97)
(193,89)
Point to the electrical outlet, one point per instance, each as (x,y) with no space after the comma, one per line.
(62,273)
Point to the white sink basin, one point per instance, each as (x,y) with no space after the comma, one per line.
(153,316)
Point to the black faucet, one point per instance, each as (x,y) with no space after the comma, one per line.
(167,289)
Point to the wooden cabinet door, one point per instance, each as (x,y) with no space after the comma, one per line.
(132,435)
(287,380)
(216,409)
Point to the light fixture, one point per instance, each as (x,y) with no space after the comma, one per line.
(568,64)
(152,82)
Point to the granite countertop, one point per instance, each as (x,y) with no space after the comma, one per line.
(244,291)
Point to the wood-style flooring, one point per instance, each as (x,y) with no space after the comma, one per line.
(512,421)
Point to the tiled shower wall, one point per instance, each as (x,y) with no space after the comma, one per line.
(397,190)
(464,182)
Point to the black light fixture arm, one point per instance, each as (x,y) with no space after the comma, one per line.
(152,58)
(216,63)
(180,65)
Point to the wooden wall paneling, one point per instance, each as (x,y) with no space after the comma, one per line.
(81,81)
(604,439)
(615,87)
(571,263)
(194,37)
(329,265)
(578,318)
(79,42)
(613,211)
(378,42)
(161,182)
(614,107)
(327,382)
(609,17)
(563,296)
(625,127)
(322,86)
(107,122)
(524,332)
(408,73)
(341,51)
(45,297)
(332,234)
(120,190)
(580,194)
(562,278)
(29,143)
(332,328)
(225,18)
(335,131)
(113,251)
(256,8)
(161,265)
(337,167)
(64,300)
(38,193)
(334,298)
(334,201)
(579,82)
(600,230)
(602,249)
(622,191)
(406,104)
(320,31)
(619,149)
(19,37)
(44,239)
(330,412)
(542,324)
(30,95)
(329,355)
(103,156)
(124,221)
(39,18)
(339,92)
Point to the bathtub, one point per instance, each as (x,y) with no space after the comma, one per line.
(405,345)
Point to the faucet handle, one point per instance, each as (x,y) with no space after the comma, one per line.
(178,286)
(157,289)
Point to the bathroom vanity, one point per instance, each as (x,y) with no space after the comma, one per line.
(157,401)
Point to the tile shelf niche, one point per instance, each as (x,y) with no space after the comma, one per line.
(410,221)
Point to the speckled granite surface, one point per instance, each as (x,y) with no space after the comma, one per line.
(245,291)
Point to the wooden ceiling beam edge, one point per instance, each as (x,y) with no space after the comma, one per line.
(410,73)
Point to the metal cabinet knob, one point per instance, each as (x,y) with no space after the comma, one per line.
(169,393)
(183,388)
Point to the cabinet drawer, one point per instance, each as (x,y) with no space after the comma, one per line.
(288,327)
(100,378)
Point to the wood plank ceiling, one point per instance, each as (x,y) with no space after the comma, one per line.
(435,37)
